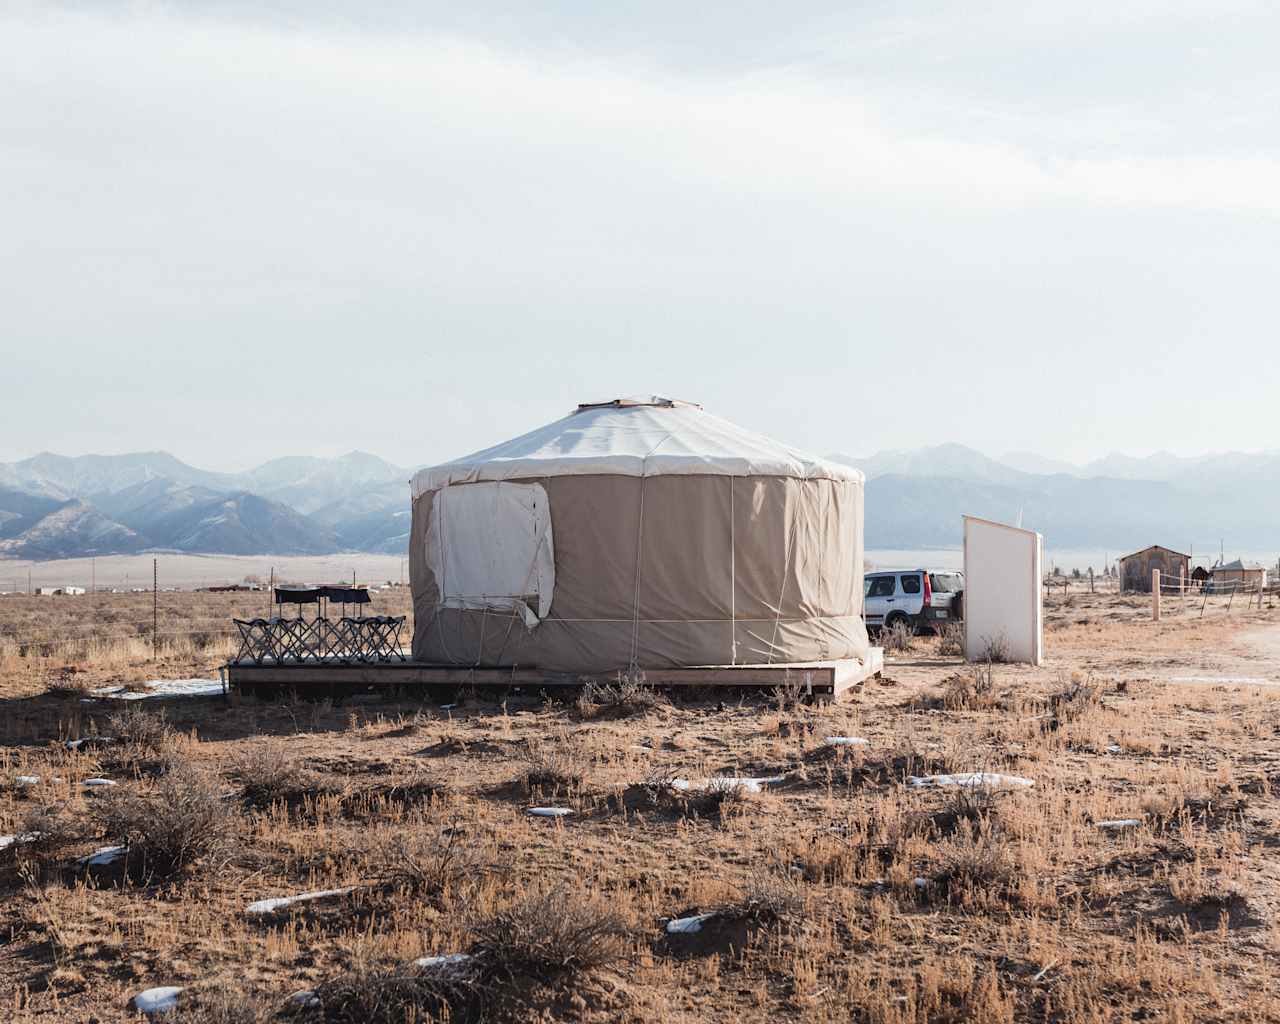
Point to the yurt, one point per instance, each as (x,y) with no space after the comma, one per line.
(637,533)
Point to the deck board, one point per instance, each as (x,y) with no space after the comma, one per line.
(824,677)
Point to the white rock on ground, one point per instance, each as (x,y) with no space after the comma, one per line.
(973,780)
(279,903)
(156,1000)
(443,961)
(688,925)
(102,856)
(1119,823)
(90,740)
(845,741)
(550,812)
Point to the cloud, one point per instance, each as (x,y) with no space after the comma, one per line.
(155,96)
(546,213)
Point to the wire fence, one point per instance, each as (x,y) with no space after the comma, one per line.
(1067,585)
(1181,596)
(42,647)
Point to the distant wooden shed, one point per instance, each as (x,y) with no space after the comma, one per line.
(1240,573)
(1135,569)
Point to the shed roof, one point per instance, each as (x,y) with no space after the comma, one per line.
(1239,565)
(1153,547)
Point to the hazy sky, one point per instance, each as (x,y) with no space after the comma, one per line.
(238,230)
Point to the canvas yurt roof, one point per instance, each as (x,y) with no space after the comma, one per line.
(649,436)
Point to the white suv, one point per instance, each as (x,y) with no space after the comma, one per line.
(914,597)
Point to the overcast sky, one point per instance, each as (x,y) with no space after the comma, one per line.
(240,230)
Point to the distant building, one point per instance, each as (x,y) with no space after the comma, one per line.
(1135,569)
(73,591)
(1242,574)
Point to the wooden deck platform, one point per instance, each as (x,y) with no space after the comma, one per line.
(822,678)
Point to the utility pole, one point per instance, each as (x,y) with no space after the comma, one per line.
(93,586)
(155,608)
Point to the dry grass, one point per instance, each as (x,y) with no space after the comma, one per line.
(269,774)
(553,935)
(181,819)
(950,640)
(971,690)
(141,728)
(628,696)
(843,892)
(897,637)
(431,863)
(554,765)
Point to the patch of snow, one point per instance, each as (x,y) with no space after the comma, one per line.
(1115,748)
(550,812)
(920,883)
(973,780)
(688,925)
(96,783)
(305,998)
(160,688)
(156,1000)
(845,741)
(102,856)
(443,962)
(1119,823)
(751,785)
(1253,680)
(27,780)
(271,906)
(21,837)
(92,741)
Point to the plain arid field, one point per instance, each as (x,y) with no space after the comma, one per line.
(1119,863)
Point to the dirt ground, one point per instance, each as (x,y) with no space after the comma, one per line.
(841,891)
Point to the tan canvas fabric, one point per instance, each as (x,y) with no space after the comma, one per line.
(674,570)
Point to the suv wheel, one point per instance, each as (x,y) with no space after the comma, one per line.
(895,618)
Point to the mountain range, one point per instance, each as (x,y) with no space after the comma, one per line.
(54,506)
(914,498)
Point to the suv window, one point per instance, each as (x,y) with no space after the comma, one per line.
(946,582)
(881,586)
(911,584)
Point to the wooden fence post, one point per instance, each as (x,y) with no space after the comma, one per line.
(1155,595)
